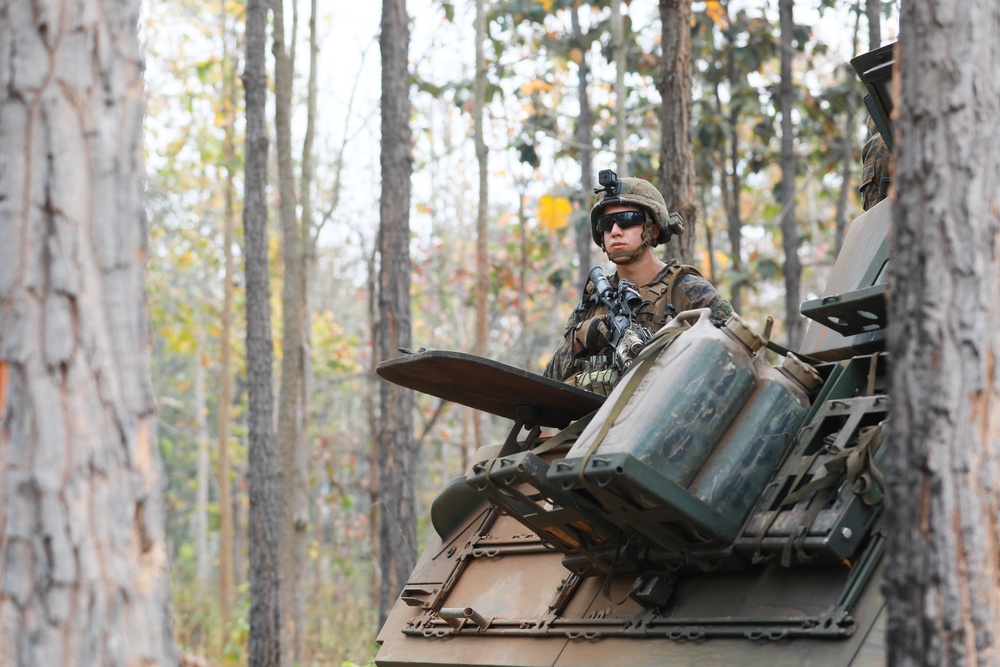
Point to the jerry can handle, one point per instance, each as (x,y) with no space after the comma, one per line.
(690,316)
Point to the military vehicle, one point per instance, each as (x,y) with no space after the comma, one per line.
(712,510)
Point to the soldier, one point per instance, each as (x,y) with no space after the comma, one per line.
(628,220)
(875,177)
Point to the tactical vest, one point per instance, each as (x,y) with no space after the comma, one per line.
(677,300)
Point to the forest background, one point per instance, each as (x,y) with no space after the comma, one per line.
(539,57)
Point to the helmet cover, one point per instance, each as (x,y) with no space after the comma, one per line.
(640,193)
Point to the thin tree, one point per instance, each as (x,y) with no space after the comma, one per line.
(203,562)
(395,445)
(81,490)
(873,11)
(482,299)
(618,54)
(294,501)
(583,137)
(301,498)
(942,580)
(789,221)
(226,325)
(729,161)
(263,475)
(676,145)
(847,147)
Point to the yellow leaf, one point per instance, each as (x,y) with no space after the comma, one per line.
(535,86)
(553,212)
(715,11)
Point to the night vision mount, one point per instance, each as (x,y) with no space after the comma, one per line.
(610,185)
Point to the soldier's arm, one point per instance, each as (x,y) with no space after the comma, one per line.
(699,293)
(560,366)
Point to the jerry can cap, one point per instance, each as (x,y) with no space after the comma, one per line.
(801,372)
(741,331)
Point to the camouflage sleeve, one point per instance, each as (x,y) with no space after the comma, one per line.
(701,294)
(560,366)
(875,176)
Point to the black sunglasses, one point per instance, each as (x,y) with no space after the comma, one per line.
(624,220)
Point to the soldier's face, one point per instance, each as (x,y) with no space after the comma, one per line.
(620,242)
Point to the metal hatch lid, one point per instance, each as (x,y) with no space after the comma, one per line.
(875,70)
(490,386)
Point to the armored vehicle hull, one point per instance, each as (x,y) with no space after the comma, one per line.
(741,524)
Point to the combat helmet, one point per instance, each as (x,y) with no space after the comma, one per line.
(635,192)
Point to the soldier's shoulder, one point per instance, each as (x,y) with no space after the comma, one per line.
(694,281)
(703,294)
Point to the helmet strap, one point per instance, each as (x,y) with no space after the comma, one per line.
(622,257)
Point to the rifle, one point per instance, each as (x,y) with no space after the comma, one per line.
(625,336)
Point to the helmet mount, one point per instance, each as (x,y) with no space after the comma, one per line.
(638,193)
(610,185)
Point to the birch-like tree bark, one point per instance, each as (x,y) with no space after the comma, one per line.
(942,574)
(82,565)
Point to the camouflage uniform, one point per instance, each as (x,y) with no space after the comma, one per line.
(875,176)
(690,291)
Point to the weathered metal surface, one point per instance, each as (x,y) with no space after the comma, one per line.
(734,475)
(524,616)
(671,419)
(489,386)
(860,264)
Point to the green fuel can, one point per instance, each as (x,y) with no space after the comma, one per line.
(671,409)
(736,472)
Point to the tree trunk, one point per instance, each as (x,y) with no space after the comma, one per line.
(226,541)
(873,11)
(263,475)
(301,537)
(203,560)
(372,388)
(83,563)
(676,146)
(527,355)
(584,140)
(942,584)
(731,184)
(482,299)
(789,222)
(294,517)
(847,147)
(618,50)
(397,527)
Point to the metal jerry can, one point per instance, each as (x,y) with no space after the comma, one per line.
(734,475)
(673,406)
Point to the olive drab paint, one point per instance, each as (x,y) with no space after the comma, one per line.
(688,395)
(722,506)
